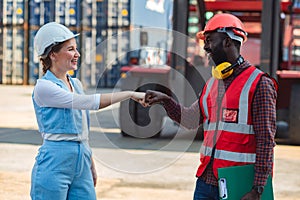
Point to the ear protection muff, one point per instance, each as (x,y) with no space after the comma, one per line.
(225,69)
(216,72)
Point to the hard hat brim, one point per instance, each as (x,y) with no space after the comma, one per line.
(51,34)
(47,49)
(200,35)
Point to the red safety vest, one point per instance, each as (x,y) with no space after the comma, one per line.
(228,129)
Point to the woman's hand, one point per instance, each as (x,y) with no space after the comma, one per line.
(139,97)
(94,172)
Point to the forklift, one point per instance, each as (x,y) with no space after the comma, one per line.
(276,23)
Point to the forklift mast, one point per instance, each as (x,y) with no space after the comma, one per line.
(277,24)
(273,45)
(266,12)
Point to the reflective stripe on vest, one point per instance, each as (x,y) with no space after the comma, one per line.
(242,126)
(230,127)
(228,155)
(208,88)
(243,115)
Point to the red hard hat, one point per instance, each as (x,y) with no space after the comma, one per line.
(226,23)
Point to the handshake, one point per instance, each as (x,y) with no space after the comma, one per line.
(150,97)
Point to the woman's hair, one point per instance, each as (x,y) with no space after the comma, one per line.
(46,61)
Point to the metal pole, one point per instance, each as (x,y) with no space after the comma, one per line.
(270,20)
(26,45)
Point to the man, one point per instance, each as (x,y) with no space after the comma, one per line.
(237,108)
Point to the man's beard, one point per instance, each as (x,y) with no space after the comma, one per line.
(218,56)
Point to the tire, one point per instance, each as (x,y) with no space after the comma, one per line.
(294,126)
(139,122)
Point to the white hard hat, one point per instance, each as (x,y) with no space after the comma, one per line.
(51,34)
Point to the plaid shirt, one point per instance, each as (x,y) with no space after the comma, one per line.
(264,124)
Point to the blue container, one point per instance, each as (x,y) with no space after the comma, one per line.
(124,46)
(112,14)
(12,60)
(19,12)
(87,13)
(12,12)
(68,12)
(87,59)
(101,56)
(113,75)
(118,45)
(125,13)
(41,12)
(94,13)
(74,13)
(102,13)
(93,57)
(118,13)
(34,63)
(116,51)
(64,12)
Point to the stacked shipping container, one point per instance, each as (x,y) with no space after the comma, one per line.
(12,41)
(40,12)
(117,41)
(97,21)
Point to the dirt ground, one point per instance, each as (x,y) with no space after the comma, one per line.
(15,172)
(16,161)
(173,182)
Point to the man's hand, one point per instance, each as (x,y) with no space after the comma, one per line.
(252,195)
(154,97)
(139,97)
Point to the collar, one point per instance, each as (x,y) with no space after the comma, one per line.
(50,76)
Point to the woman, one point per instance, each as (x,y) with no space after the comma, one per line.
(64,168)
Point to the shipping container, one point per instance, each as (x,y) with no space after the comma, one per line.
(96,20)
(112,13)
(94,46)
(101,55)
(124,13)
(41,12)
(12,59)
(95,13)
(102,13)
(88,57)
(89,14)
(118,45)
(67,12)
(34,64)
(93,65)
(12,12)
(103,52)
(118,13)
(117,50)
